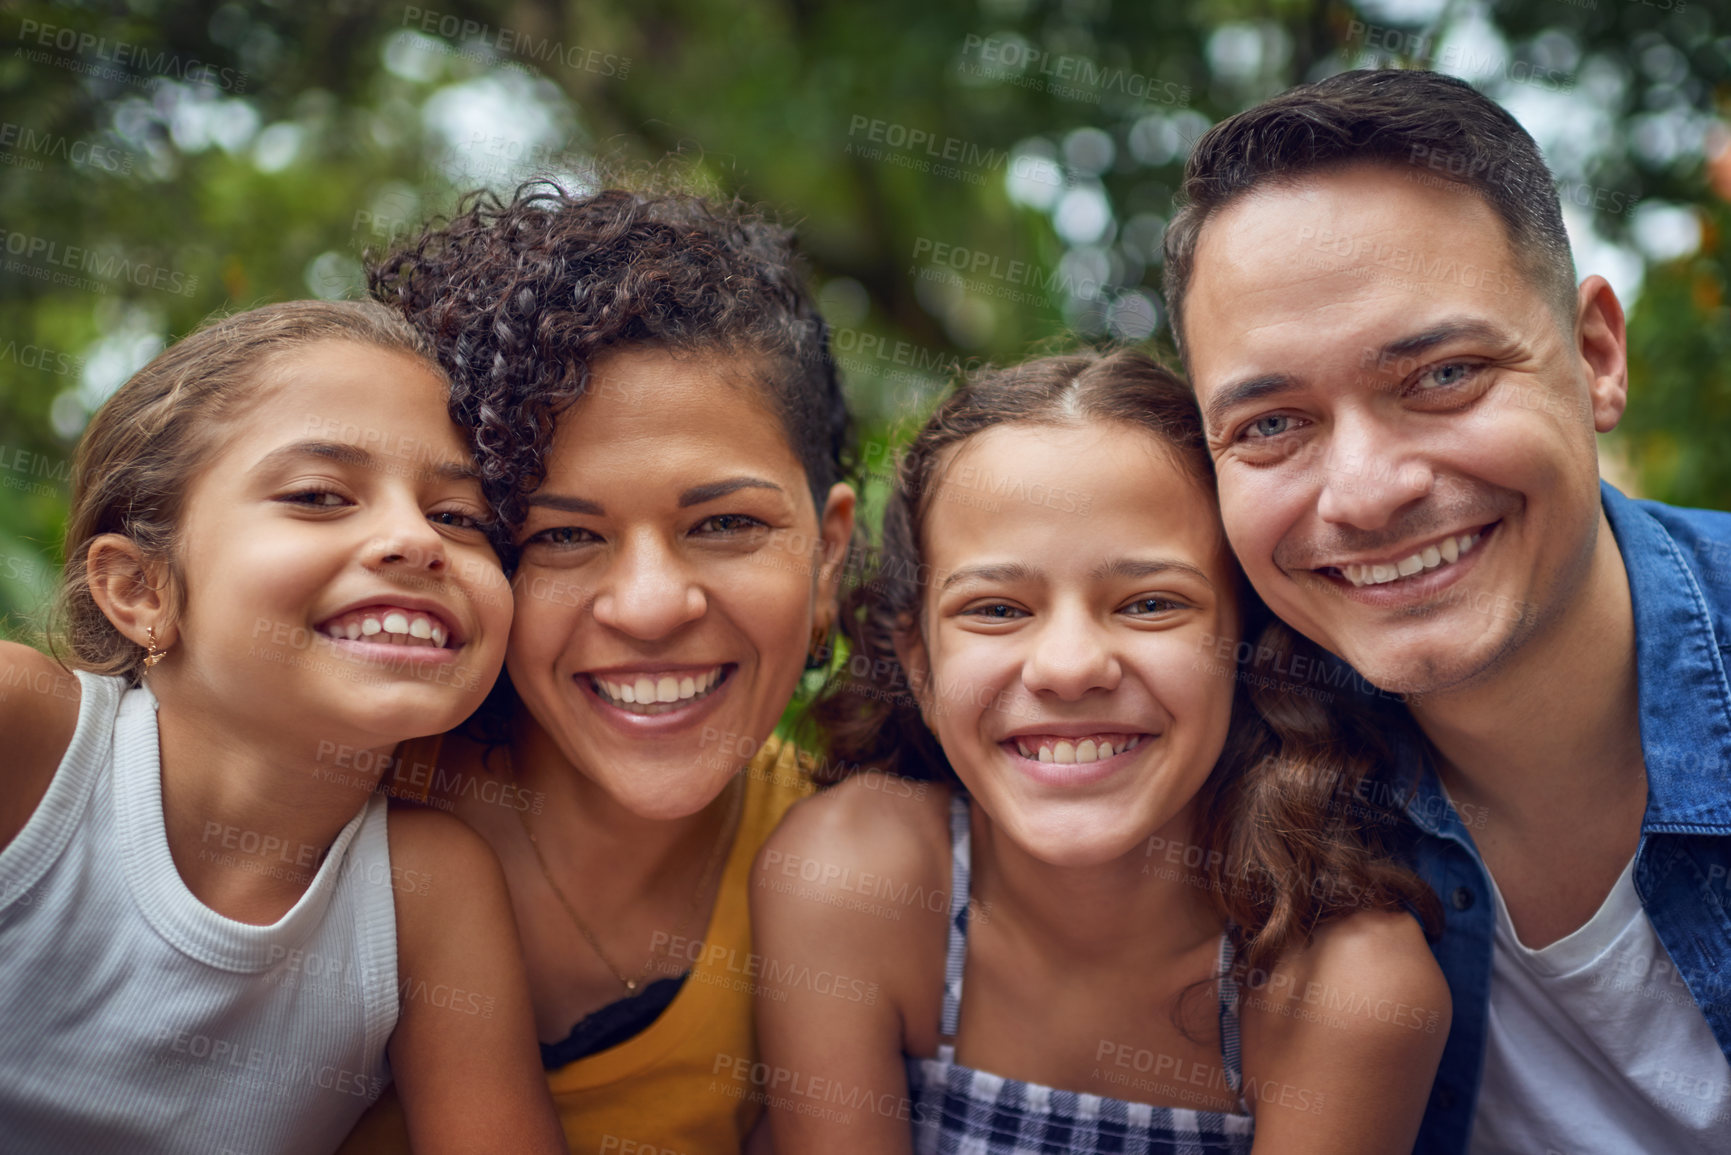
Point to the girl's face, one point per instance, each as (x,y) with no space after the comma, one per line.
(337,584)
(1079,581)
(673,570)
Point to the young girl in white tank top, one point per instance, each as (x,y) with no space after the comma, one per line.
(211,936)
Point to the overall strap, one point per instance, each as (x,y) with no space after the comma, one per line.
(960,868)
(1230,1051)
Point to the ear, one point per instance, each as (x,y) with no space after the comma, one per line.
(835,535)
(1602,342)
(128,589)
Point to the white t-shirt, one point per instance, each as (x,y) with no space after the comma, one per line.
(1595,1045)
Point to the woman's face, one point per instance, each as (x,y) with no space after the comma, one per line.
(1079,582)
(673,570)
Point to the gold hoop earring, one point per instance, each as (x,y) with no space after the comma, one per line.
(152,655)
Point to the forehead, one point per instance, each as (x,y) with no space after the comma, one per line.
(348,391)
(1074,494)
(1314,270)
(669,413)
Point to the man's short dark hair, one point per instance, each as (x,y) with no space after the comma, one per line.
(1437,125)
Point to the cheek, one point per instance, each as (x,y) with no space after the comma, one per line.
(545,612)
(772,609)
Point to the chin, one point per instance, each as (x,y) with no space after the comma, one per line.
(670,798)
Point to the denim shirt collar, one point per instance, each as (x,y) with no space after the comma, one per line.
(1684,698)
(1685,701)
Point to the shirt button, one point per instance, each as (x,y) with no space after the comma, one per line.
(1462,898)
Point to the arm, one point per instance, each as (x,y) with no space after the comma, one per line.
(38,713)
(812,1035)
(463,1054)
(1341,1045)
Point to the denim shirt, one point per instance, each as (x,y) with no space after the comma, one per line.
(1679,566)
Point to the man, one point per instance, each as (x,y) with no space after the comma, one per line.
(1372,290)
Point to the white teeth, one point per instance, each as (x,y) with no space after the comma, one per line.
(370,626)
(663,690)
(396,623)
(1448,550)
(440,634)
(352,630)
(1069,752)
(420,628)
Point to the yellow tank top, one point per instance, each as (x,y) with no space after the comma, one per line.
(674,1085)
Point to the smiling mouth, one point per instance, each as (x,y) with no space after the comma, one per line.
(384,625)
(650,694)
(1437,555)
(1069,751)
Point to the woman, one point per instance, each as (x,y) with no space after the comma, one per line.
(659,425)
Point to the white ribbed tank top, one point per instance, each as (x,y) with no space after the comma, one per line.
(136,1020)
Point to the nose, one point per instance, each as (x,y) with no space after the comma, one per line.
(405,540)
(1072,656)
(648,591)
(1369,474)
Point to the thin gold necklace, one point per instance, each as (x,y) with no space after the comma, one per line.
(715,853)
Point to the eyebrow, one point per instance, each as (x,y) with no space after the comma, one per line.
(1441,334)
(698,494)
(566,504)
(1256,388)
(1123,567)
(1134,568)
(355,456)
(1005,572)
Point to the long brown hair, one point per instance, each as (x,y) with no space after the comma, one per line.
(142,449)
(1287,838)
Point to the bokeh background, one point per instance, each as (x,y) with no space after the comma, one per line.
(972,179)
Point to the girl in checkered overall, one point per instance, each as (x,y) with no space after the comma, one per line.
(1102,797)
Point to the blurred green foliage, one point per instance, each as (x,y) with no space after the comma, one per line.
(163,161)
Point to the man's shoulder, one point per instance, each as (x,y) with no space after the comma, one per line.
(1701,536)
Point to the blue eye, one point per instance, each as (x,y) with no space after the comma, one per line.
(1447,376)
(1271,426)
(997,611)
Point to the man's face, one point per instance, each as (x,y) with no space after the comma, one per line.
(1403,428)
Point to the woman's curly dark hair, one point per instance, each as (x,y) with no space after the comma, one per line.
(522,297)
